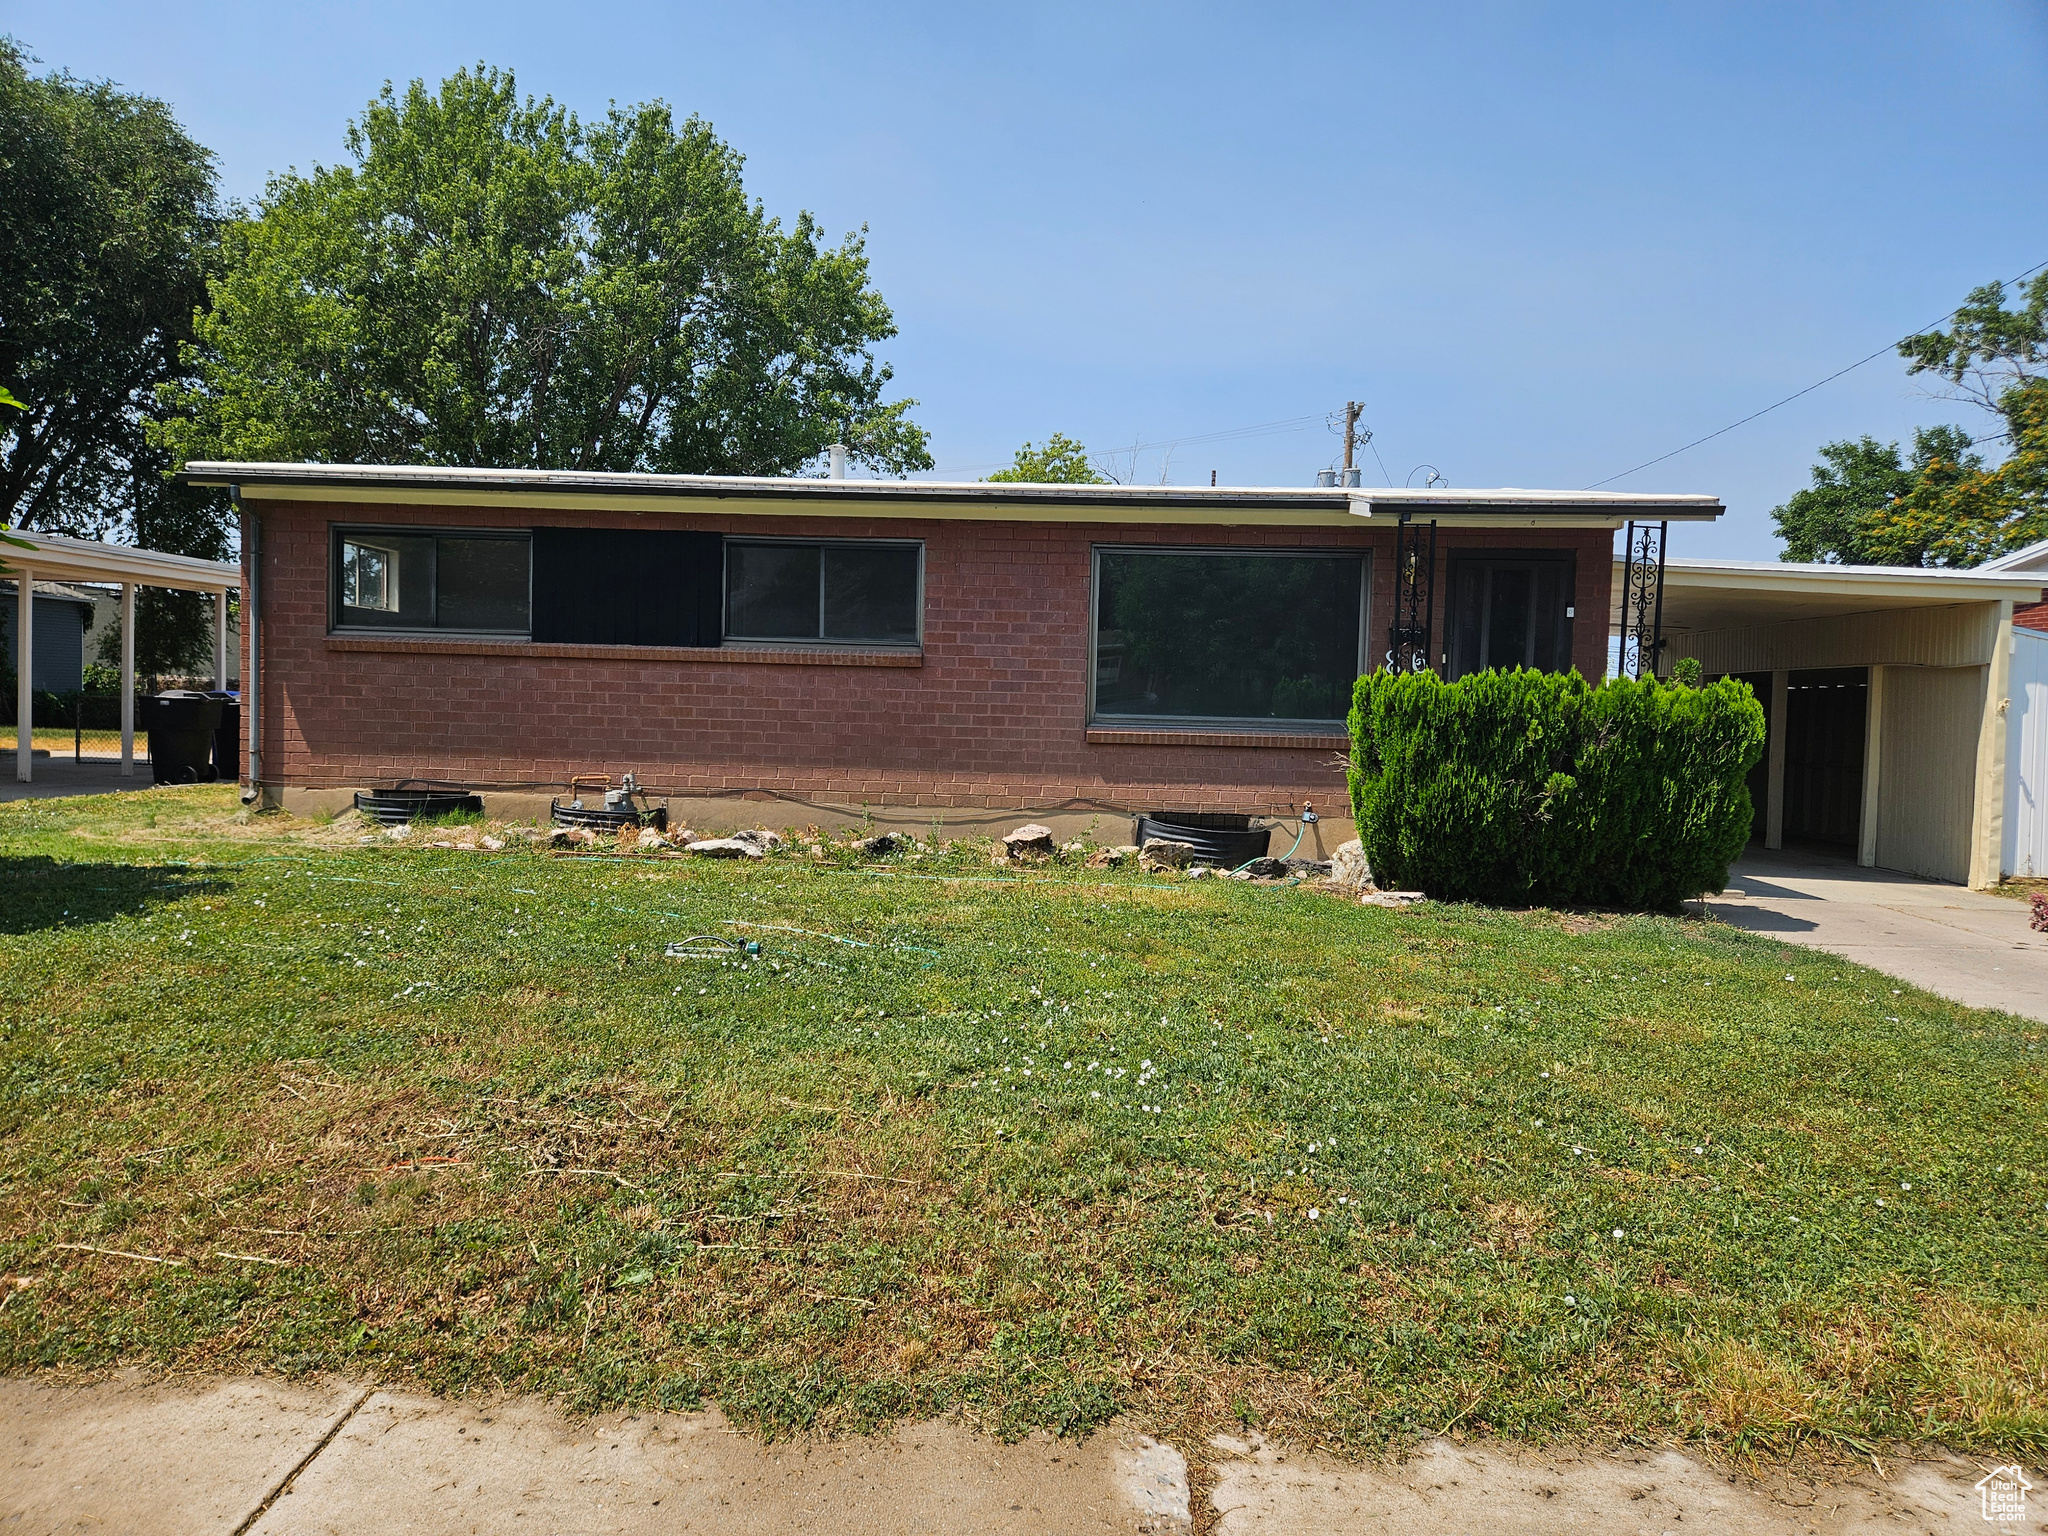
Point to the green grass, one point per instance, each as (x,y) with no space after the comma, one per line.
(1350,1174)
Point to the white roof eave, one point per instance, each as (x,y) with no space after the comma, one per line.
(55,556)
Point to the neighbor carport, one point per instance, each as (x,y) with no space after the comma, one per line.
(52,557)
(1885,690)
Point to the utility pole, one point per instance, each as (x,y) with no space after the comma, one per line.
(1351,412)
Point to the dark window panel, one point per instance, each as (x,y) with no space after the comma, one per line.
(771,591)
(481,584)
(1227,637)
(625,586)
(870,593)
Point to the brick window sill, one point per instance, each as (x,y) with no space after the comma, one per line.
(715,655)
(1122,736)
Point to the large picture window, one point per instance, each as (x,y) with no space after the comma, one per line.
(400,578)
(865,593)
(1234,635)
(1510,610)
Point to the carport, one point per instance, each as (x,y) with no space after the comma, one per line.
(1886,692)
(52,557)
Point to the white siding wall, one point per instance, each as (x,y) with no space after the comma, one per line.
(2026,758)
(1962,634)
(1926,784)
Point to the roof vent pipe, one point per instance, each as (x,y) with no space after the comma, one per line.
(838,470)
(1326,479)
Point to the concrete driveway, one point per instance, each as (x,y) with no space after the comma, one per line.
(56,777)
(1962,944)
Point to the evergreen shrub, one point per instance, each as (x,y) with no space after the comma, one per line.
(1519,787)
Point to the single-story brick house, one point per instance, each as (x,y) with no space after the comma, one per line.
(970,653)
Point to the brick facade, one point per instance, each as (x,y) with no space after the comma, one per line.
(992,714)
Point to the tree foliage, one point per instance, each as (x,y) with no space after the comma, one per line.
(493,281)
(1058,461)
(107,218)
(1834,519)
(1945,506)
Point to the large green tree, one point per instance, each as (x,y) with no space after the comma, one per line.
(107,218)
(493,281)
(1945,506)
(1836,518)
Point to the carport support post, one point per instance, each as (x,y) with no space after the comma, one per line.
(24,672)
(220,639)
(1873,755)
(1987,818)
(1774,784)
(128,679)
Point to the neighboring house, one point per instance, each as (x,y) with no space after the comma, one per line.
(958,652)
(1890,695)
(63,619)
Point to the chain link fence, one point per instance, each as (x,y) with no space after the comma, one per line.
(80,726)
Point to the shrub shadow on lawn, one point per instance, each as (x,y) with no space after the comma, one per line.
(39,892)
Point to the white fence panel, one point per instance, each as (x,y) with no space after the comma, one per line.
(2026,757)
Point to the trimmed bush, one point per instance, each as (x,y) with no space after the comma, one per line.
(1518,787)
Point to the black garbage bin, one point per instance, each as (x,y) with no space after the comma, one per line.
(227,737)
(180,725)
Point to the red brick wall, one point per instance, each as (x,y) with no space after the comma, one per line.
(992,715)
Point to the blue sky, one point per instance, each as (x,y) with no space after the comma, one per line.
(1543,244)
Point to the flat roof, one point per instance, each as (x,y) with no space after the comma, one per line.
(90,560)
(1732,594)
(765,495)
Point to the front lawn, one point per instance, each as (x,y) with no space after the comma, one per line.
(1043,1145)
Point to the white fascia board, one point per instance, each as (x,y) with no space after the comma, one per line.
(55,556)
(1848,580)
(782,495)
(1591,509)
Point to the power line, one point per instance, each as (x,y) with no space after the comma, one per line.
(1752,416)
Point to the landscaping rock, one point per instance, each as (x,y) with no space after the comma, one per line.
(761,839)
(1391,898)
(649,839)
(1029,838)
(1348,867)
(1266,869)
(728,848)
(887,843)
(1161,854)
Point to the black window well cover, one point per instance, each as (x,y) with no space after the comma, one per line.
(627,586)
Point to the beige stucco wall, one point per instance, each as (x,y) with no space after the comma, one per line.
(1927,773)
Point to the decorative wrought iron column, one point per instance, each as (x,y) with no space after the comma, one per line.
(1414,597)
(1642,598)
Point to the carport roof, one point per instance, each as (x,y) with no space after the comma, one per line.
(89,560)
(1733,594)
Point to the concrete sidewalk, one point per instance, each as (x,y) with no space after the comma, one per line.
(261,1457)
(1962,944)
